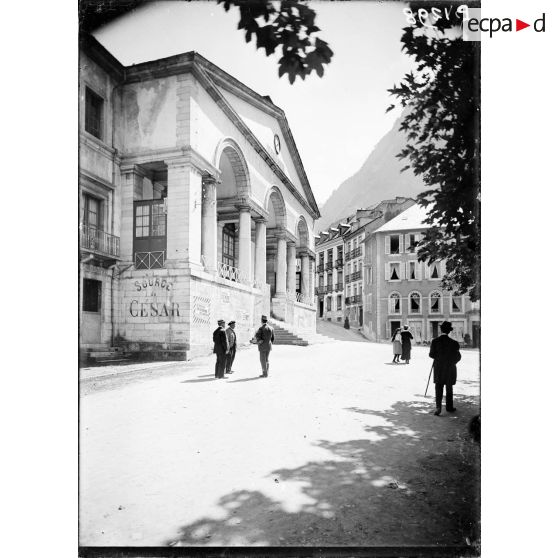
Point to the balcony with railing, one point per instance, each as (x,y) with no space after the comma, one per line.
(300,298)
(329,288)
(230,273)
(355,276)
(329,265)
(320,268)
(357,252)
(355,299)
(339,262)
(99,242)
(321,290)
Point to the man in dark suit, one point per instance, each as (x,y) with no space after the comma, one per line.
(445,352)
(265,338)
(221,349)
(231,338)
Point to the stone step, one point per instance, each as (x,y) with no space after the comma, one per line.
(100,354)
(112,360)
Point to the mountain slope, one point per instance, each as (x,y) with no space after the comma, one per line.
(378,179)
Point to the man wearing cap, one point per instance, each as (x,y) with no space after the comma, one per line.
(445,352)
(265,338)
(220,348)
(231,338)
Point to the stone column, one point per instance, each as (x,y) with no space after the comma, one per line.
(281,265)
(291,267)
(305,274)
(312,277)
(245,241)
(184,201)
(260,262)
(209,223)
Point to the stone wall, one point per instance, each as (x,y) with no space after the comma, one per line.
(153,310)
(215,298)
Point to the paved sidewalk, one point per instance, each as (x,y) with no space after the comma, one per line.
(337,447)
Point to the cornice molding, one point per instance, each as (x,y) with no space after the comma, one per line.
(101,56)
(97,180)
(92,142)
(174,156)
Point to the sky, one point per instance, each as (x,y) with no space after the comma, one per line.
(336,120)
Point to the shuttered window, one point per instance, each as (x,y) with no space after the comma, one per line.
(93,113)
(393,271)
(414,303)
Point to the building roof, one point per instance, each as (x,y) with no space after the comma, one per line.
(412,218)
(211,76)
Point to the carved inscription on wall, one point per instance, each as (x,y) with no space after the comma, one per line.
(153,299)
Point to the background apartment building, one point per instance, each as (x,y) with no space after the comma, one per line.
(341,255)
(399,289)
(329,273)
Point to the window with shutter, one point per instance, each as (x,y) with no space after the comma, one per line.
(395,243)
(414,303)
(387,243)
(435,303)
(394,303)
(412,271)
(93,113)
(456,304)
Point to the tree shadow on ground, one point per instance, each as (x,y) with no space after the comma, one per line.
(412,479)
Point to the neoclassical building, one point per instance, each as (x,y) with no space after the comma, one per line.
(194,205)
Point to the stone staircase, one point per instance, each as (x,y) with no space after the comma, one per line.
(283,335)
(102,354)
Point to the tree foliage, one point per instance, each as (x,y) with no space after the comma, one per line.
(289,24)
(442,123)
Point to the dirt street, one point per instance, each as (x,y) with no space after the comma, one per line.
(337,447)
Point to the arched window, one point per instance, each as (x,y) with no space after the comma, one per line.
(394,303)
(415,303)
(435,302)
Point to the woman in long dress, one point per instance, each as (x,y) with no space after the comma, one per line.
(406,337)
(397,347)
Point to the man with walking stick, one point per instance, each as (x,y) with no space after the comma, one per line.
(445,352)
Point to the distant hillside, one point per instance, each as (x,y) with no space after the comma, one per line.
(379,178)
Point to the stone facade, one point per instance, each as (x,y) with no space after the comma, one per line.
(194,205)
(399,289)
(341,253)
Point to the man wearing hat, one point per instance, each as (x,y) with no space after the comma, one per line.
(231,338)
(445,352)
(220,348)
(265,338)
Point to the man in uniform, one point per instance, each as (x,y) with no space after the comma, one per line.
(445,352)
(265,338)
(220,348)
(231,338)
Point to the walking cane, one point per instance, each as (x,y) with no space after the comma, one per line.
(428,383)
